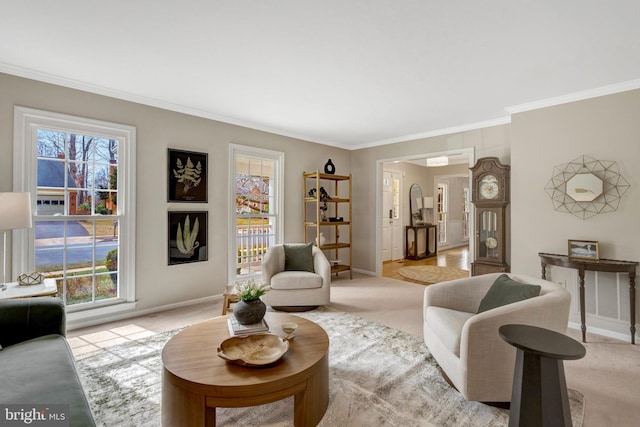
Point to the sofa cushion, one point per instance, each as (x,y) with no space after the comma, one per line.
(42,371)
(448,324)
(506,291)
(298,257)
(296,280)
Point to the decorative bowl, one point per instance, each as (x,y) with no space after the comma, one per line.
(253,351)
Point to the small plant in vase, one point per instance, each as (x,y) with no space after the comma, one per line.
(250,309)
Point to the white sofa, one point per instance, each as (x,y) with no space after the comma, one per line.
(295,288)
(467,345)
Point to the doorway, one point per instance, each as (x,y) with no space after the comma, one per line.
(391,215)
(414,169)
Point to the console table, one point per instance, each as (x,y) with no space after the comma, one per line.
(603,265)
(429,229)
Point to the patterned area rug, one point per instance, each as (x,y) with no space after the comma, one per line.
(432,273)
(378,377)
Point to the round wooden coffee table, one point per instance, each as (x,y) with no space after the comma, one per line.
(195,380)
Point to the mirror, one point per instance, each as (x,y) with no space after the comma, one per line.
(584,187)
(415,204)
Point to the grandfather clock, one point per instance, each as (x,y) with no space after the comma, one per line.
(490,196)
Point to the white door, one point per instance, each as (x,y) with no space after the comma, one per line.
(391,222)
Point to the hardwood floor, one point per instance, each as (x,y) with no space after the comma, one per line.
(455,257)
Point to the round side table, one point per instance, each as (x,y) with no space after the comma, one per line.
(539,396)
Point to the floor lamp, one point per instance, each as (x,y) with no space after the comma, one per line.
(15,213)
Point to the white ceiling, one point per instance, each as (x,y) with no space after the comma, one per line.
(346,73)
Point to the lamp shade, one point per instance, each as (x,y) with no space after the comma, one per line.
(15,211)
(428,202)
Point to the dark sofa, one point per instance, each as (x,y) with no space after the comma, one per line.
(36,363)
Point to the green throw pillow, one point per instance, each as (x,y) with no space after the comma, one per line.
(298,257)
(505,291)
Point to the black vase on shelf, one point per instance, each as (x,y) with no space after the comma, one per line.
(249,312)
(329,167)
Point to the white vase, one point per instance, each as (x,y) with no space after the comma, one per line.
(322,240)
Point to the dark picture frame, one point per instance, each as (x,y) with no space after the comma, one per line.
(584,249)
(191,244)
(187,176)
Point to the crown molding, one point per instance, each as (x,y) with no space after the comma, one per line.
(151,102)
(575,96)
(437,132)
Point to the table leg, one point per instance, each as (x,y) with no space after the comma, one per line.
(539,396)
(311,403)
(583,321)
(632,302)
(544,271)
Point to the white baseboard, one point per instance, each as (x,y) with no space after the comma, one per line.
(83,319)
(604,332)
(367,272)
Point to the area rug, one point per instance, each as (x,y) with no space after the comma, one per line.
(432,273)
(378,377)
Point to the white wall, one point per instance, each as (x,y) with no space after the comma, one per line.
(158,284)
(606,128)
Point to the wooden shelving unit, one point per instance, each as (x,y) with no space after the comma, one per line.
(338,233)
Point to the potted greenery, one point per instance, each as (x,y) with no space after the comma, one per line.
(250,309)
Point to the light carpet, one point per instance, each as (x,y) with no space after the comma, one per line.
(378,377)
(432,273)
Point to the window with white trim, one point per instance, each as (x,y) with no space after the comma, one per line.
(256,180)
(80,174)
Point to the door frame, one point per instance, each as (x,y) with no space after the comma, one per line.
(400,212)
(380,175)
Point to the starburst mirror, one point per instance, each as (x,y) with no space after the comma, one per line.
(586,187)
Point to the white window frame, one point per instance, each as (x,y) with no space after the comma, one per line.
(26,123)
(277,157)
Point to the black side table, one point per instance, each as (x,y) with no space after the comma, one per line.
(539,396)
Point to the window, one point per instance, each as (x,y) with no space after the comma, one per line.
(466,199)
(81,176)
(442,212)
(256,179)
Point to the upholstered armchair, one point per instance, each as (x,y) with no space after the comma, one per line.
(298,277)
(466,344)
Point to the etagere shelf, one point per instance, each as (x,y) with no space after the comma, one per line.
(335,220)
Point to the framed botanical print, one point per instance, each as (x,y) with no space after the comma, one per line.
(186,176)
(187,236)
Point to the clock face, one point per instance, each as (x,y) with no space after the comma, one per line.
(491,242)
(489,187)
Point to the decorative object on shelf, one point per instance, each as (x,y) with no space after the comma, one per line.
(583,249)
(28,279)
(329,167)
(15,213)
(586,187)
(254,350)
(187,237)
(250,309)
(415,204)
(187,176)
(490,195)
(322,240)
(336,219)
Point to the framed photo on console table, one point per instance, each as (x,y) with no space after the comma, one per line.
(187,237)
(186,176)
(584,249)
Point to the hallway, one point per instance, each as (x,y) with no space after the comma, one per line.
(455,257)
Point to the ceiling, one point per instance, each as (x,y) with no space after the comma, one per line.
(351,74)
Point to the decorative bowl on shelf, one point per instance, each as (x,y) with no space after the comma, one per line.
(336,219)
(253,351)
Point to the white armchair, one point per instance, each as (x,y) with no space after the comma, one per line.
(302,289)
(466,344)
